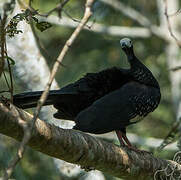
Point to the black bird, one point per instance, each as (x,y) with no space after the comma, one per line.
(109,100)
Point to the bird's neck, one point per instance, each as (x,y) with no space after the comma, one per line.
(141,73)
(130,55)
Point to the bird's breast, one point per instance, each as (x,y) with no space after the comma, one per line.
(144,99)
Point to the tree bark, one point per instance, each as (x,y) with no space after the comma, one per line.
(80,148)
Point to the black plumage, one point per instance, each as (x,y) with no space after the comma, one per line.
(105,101)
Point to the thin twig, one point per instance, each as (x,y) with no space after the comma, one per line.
(169,25)
(103,29)
(40,44)
(2,41)
(129,12)
(4,54)
(10,74)
(5,91)
(58,8)
(6,80)
(21,149)
(170,138)
(175,14)
(177,68)
(28,129)
(30,2)
(75,20)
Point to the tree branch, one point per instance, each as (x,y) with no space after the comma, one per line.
(128,11)
(139,18)
(101,28)
(2,43)
(169,24)
(80,148)
(140,141)
(58,8)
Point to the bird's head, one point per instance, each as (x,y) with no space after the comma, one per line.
(126,43)
(127,46)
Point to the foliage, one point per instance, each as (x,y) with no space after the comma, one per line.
(27,15)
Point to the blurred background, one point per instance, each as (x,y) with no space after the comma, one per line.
(97,48)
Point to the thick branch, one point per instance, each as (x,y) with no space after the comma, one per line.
(79,148)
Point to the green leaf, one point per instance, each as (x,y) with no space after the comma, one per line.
(42,26)
(35,19)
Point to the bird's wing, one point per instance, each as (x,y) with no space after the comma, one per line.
(89,89)
(115,110)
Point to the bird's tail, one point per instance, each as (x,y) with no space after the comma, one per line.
(30,99)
